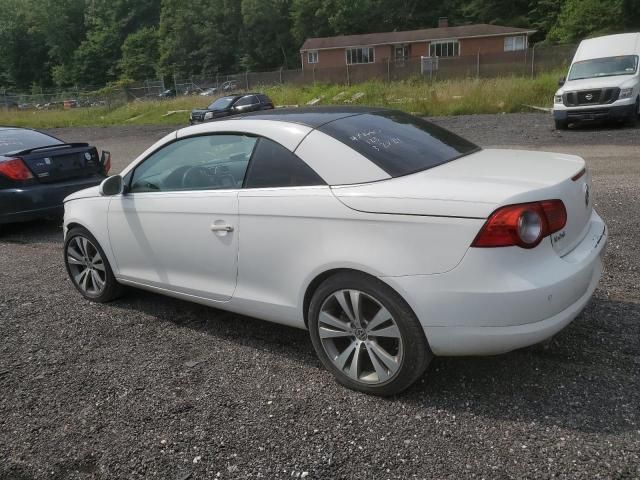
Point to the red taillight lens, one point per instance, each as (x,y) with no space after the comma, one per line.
(556,215)
(523,225)
(106,161)
(15,169)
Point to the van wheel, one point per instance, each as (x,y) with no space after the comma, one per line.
(561,124)
(367,335)
(635,116)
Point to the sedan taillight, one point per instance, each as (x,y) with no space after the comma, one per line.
(15,169)
(523,225)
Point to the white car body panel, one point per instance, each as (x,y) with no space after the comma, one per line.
(336,163)
(472,186)
(413,233)
(306,231)
(287,134)
(147,234)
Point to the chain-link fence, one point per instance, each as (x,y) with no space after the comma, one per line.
(61,99)
(530,62)
(525,63)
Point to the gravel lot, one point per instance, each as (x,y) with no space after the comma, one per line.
(153,387)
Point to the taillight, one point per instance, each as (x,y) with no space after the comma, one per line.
(106,161)
(523,225)
(15,169)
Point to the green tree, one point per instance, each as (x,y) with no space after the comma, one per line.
(23,53)
(198,37)
(268,42)
(140,54)
(581,18)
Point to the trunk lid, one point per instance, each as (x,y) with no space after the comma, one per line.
(475,185)
(54,164)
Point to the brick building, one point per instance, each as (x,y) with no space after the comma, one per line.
(444,41)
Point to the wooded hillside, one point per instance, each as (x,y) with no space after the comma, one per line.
(45,43)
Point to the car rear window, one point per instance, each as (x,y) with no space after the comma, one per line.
(399,143)
(15,140)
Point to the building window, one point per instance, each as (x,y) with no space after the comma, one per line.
(449,48)
(401,53)
(513,44)
(360,55)
(312,57)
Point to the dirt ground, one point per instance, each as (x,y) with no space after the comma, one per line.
(153,387)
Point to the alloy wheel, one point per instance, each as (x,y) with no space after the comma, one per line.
(86,265)
(360,337)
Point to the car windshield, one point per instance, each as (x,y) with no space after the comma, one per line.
(400,144)
(15,140)
(221,103)
(604,67)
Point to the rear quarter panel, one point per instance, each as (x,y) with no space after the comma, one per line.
(289,236)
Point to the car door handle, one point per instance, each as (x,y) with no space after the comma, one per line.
(221,228)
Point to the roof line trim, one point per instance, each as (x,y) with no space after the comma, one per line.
(511,34)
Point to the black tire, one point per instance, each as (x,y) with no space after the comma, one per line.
(111,289)
(561,124)
(416,353)
(635,116)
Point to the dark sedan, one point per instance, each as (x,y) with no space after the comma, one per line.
(37,171)
(231,105)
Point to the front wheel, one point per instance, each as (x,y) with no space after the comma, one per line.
(366,335)
(561,124)
(635,115)
(88,267)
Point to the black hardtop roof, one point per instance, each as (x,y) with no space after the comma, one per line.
(312,117)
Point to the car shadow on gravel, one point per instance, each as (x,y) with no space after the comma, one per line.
(38,231)
(586,378)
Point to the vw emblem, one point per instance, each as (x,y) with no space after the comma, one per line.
(588,96)
(586,195)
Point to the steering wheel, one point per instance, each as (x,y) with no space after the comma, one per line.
(196,177)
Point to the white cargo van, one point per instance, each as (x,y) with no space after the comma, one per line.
(603,82)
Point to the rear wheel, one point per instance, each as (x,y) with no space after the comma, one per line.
(88,267)
(366,335)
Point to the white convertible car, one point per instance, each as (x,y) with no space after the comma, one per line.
(389,238)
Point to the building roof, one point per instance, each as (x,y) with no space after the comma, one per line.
(410,36)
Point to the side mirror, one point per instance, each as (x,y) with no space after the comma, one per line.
(562,81)
(111,186)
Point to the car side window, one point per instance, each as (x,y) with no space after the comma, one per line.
(207,162)
(246,100)
(272,165)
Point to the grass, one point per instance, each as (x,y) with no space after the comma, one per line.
(449,97)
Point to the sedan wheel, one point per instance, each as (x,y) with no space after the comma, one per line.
(367,335)
(88,267)
(360,336)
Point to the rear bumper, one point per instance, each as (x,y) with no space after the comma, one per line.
(616,112)
(498,300)
(456,341)
(40,201)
